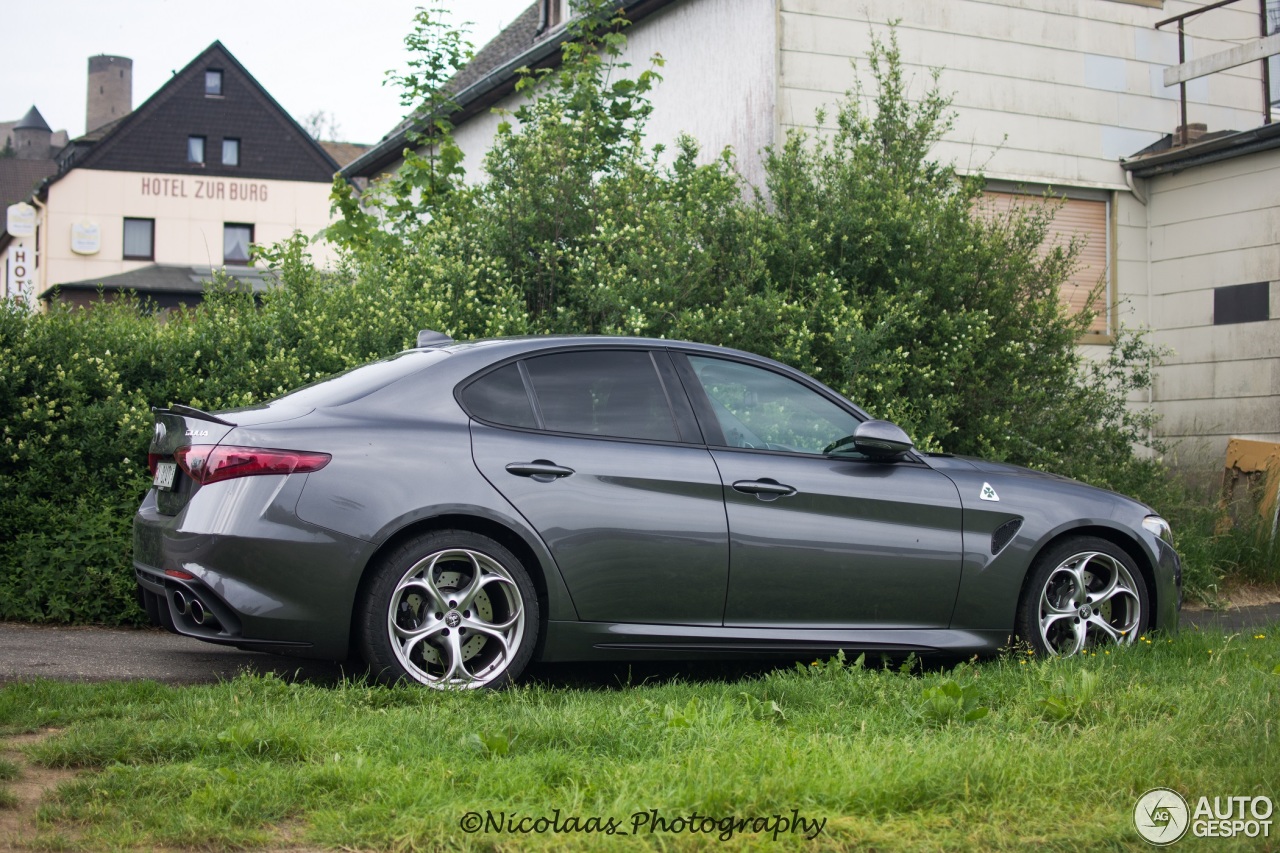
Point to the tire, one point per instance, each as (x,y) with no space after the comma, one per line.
(1081,593)
(449,609)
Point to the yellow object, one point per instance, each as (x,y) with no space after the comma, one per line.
(1261,459)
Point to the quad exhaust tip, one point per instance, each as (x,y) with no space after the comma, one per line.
(192,607)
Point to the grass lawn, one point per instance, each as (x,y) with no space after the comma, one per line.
(870,757)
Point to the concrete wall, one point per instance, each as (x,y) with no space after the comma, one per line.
(1215,226)
(188,222)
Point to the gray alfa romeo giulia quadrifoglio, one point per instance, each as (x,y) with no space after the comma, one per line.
(462,509)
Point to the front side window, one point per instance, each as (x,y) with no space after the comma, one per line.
(195,149)
(139,239)
(235,243)
(615,394)
(231,152)
(757,408)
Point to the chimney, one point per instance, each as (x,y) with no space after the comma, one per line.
(1191,133)
(110,90)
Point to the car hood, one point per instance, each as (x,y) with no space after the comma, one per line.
(1001,470)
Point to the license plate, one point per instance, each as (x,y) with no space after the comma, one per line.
(165,472)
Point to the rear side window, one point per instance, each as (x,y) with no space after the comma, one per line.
(616,394)
(500,397)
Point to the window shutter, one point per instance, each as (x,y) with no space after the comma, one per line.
(1087,220)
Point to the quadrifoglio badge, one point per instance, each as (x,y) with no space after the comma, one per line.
(1163,816)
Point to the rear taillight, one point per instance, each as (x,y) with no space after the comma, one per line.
(153,460)
(207,464)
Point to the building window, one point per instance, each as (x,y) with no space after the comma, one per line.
(1089,221)
(139,239)
(195,149)
(235,243)
(213,82)
(554,13)
(1242,303)
(231,152)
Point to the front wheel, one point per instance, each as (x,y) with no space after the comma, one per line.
(1082,593)
(452,610)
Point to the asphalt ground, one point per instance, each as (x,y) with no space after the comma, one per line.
(122,654)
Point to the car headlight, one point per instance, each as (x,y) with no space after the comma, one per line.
(1157,525)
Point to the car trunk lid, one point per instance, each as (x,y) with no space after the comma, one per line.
(180,427)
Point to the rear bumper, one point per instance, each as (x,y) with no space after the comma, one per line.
(262,577)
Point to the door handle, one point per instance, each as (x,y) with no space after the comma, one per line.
(766,489)
(539,469)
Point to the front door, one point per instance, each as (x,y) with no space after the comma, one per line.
(817,540)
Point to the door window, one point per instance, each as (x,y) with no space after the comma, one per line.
(616,394)
(757,408)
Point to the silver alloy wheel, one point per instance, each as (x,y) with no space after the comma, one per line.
(1089,598)
(455,619)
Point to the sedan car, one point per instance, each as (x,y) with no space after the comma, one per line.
(462,509)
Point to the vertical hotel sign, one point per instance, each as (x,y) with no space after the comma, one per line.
(20,264)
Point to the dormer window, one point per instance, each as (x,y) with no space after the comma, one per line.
(554,13)
(213,82)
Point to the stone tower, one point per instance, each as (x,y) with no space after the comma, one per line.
(32,138)
(110,90)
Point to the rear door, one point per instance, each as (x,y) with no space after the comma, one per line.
(599,451)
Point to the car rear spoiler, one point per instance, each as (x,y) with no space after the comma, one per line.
(189,412)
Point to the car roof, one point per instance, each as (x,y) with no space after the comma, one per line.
(511,346)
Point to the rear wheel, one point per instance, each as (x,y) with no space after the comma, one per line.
(450,609)
(1082,593)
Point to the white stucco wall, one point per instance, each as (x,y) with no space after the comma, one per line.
(189,214)
(718,82)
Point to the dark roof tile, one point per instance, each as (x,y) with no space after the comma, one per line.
(19,178)
(172,278)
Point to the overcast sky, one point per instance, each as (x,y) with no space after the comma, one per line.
(309,54)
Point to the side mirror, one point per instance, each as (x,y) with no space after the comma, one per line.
(881,440)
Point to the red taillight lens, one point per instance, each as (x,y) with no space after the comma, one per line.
(153,459)
(208,464)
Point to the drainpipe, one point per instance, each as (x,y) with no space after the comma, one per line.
(41,220)
(1135,188)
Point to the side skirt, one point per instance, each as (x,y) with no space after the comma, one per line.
(588,641)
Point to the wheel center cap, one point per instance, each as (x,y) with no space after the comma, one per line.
(453,619)
(1085,612)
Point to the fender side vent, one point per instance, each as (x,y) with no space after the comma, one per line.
(1004,535)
